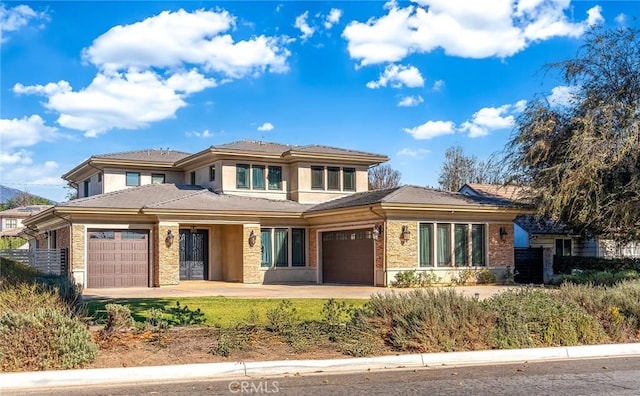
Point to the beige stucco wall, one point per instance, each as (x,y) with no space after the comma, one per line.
(232,252)
(229,180)
(115,179)
(166,257)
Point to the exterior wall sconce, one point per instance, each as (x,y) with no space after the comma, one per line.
(252,238)
(503,234)
(404,235)
(169,239)
(377,231)
(193,229)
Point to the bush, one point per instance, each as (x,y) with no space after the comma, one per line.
(39,332)
(183,316)
(602,278)
(69,292)
(485,276)
(565,264)
(413,278)
(427,320)
(527,318)
(464,276)
(118,317)
(12,272)
(281,319)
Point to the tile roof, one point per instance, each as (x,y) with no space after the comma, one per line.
(156,155)
(24,211)
(538,225)
(257,145)
(516,193)
(411,195)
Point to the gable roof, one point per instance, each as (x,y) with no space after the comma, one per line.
(23,211)
(412,195)
(508,191)
(539,225)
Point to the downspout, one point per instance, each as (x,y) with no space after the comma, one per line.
(384,246)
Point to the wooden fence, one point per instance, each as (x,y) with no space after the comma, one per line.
(48,261)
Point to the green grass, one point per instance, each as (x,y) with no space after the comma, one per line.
(219,311)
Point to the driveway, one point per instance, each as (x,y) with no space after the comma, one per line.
(241,290)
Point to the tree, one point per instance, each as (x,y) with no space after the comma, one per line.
(383,176)
(25,199)
(583,157)
(459,169)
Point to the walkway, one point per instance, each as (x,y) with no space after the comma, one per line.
(241,290)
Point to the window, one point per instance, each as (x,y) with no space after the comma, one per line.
(99,177)
(317,177)
(11,223)
(468,245)
(563,247)
(133,235)
(242,176)
(157,178)
(478,244)
(275,247)
(349,179)
(133,178)
(444,245)
(461,245)
(212,173)
(275,178)
(257,180)
(333,178)
(87,186)
(193,178)
(425,245)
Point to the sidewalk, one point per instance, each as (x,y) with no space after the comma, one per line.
(238,370)
(295,290)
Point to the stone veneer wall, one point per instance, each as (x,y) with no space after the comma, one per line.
(63,236)
(313,248)
(251,256)
(77,248)
(401,255)
(500,252)
(167,258)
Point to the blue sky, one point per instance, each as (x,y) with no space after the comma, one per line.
(405,79)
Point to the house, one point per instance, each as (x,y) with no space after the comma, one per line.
(259,212)
(11,219)
(533,231)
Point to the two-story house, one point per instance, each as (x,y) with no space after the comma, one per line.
(258,212)
(11,219)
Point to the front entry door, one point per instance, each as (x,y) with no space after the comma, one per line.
(194,254)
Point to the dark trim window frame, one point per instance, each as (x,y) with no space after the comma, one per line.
(87,187)
(275,177)
(258,177)
(132,179)
(212,173)
(243,176)
(158,178)
(563,247)
(349,179)
(317,178)
(283,247)
(450,245)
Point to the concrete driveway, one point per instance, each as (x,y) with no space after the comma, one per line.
(240,290)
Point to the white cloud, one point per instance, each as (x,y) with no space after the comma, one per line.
(204,134)
(398,76)
(431,129)
(15,18)
(465,28)
(438,86)
(334,17)
(24,132)
(46,90)
(175,39)
(621,19)
(561,95)
(490,119)
(407,152)
(410,101)
(301,24)
(267,126)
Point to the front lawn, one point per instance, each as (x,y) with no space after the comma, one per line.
(218,311)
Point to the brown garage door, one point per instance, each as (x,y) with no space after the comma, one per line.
(347,257)
(118,258)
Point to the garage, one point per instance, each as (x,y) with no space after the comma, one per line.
(117,258)
(348,257)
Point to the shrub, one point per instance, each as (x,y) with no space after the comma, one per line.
(12,272)
(526,318)
(426,320)
(464,276)
(39,332)
(602,278)
(118,317)
(183,316)
(485,276)
(282,318)
(69,292)
(565,264)
(413,278)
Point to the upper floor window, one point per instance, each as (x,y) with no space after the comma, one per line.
(193,178)
(333,178)
(257,177)
(275,178)
(11,223)
(157,178)
(133,178)
(242,176)
(212,173)
(87,186)
(317,177)
(349,179)
(99,177)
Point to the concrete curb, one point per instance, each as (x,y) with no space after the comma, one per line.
(219,371)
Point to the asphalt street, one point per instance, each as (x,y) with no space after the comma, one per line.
(612,376)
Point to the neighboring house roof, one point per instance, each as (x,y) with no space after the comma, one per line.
(181,197)
(538,225)
(412,195)
(516,193)
(23,211)
(156,155)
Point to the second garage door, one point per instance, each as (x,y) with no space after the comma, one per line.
(117,258)
(348,257)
